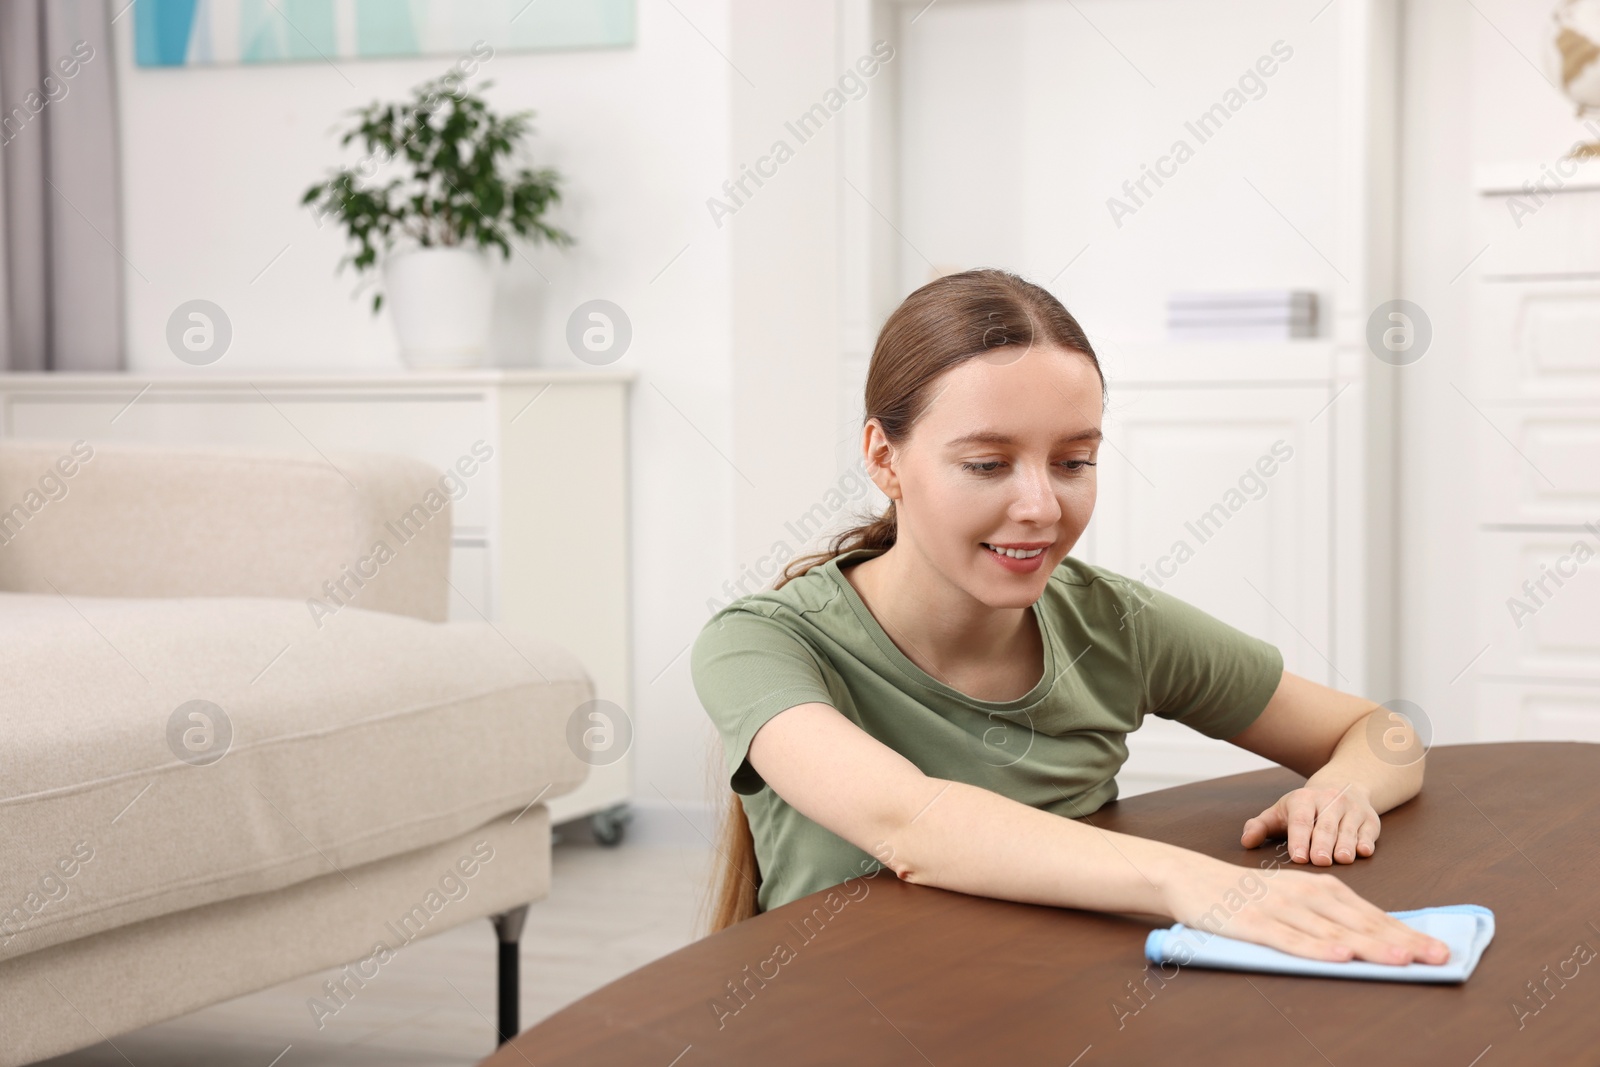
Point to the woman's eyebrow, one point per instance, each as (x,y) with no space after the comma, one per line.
(994,437)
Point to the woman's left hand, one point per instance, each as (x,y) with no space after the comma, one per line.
(1328,824)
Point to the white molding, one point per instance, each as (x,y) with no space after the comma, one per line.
(1364,418)
(1506,177)
(245,379)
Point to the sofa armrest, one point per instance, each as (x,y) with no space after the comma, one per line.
(361,529)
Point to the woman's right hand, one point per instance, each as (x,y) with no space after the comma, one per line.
(1299,912)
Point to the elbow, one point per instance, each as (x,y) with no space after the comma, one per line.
(892,855)
(905,839)
(895,850)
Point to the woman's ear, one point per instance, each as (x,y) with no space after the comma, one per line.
(879,459)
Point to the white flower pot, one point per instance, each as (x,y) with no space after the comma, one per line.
(441,300)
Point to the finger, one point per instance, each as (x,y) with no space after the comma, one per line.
(1325,833)
(1261,827)
(1367,836)
(1353,927)
(1344,849)
(1301,817)
(1373,933)
(1395,942)
(1352,814)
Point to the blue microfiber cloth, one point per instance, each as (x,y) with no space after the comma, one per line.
(1466,928)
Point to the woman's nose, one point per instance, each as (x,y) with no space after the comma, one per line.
(1035,494)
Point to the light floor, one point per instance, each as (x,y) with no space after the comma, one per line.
(610,911)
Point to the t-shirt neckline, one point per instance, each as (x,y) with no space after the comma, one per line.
(904,664)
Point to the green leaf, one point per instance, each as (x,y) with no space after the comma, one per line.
(455,185)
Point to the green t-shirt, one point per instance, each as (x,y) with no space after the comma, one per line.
(1114,650)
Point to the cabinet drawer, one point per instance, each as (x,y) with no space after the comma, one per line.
(1527,238)
(1221,497)
(1538,340)
(1546,467)
(1540,604)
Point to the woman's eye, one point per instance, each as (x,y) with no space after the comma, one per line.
(989,466)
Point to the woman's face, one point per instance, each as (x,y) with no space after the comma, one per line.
(1003,456)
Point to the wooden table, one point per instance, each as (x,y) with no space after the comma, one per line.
(904,974)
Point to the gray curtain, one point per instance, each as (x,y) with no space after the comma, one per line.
(61,273)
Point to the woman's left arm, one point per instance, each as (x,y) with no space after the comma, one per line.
(1360,759)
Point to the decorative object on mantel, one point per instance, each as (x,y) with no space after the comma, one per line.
(434,224)
(1242,315)
(1574,58)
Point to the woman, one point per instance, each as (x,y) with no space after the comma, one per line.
(947,690)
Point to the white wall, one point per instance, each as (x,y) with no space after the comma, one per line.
(1023,118)
(214,162)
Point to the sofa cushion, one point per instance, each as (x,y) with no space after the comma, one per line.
(341,739)
(145,520)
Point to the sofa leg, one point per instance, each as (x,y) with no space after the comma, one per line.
(508,925)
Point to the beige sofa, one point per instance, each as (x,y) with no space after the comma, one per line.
(238,741)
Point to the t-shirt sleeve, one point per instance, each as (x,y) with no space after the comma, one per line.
(1199,670)
(746,668)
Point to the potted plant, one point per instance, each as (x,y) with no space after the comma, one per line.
(429,228)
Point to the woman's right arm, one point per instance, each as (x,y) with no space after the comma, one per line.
(961,837)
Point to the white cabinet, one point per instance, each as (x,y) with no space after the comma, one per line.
(1536,367)
(540,544)
(1542,336)
(1541,591)
(1220,497)
(1220,492)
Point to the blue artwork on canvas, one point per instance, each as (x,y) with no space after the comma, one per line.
(189,33)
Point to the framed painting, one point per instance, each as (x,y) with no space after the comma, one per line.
(194,33)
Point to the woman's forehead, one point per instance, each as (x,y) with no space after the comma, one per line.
(1057,395)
